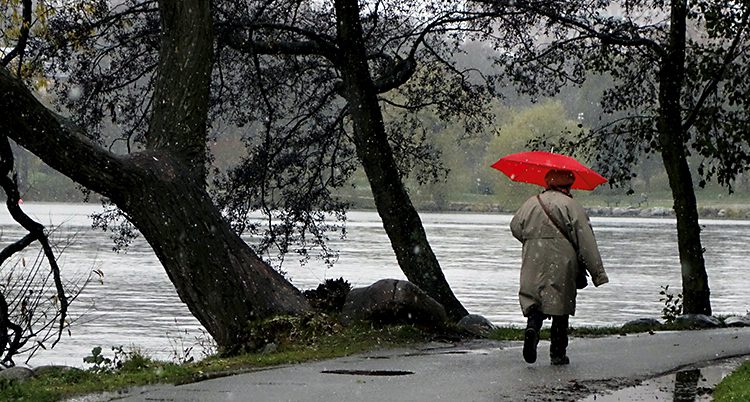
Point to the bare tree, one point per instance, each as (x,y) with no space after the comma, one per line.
(33,301)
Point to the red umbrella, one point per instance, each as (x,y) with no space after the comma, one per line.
(530,167)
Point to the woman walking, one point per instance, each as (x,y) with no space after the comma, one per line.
(557,239)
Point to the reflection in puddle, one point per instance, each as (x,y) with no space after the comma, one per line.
(692,385)
(686,387)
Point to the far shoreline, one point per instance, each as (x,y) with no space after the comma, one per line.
(728,212)
(738,212)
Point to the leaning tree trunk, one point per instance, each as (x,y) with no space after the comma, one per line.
(400,219)
(672,138)
(222,281)
(162,190)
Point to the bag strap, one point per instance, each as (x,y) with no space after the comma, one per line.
(557,224)
(581,271)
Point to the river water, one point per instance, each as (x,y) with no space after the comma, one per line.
(135,305)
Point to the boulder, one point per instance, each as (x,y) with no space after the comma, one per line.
(737,321)
(642,324)
(656,212)
(697,321)
(16,373)
(393,301)
(476,324)
(629,211)
(42,370)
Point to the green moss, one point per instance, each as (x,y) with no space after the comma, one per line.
(506,334)
(734,387)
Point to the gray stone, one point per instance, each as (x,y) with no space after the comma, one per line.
(655,212)
(737,321)
(269,348)
(697,321)
(476,324)
(16,373)
(628,211)
(641,324)
(42,370)
(391,301)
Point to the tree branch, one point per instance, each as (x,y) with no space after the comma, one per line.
(36,230)
(714,82)
(549,10)
(312,43)
(20,47)
(61,144)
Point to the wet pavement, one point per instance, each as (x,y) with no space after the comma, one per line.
(693,384)
(483,371)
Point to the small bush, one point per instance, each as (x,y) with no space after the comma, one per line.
(672,304)
(330,295)
(121,361)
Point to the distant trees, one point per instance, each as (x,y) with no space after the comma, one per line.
(513,135)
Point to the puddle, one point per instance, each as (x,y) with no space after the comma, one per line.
(368,372)
(689,385)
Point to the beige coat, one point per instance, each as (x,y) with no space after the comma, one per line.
(549,263)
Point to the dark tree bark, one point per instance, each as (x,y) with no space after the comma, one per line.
(400,218)
(162,189)
(672,140)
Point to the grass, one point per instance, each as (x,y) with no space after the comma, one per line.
(735,386)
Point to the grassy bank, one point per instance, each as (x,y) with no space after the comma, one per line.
(734,387)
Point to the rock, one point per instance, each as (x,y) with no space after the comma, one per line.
(42,370)
(641,324)
(655,212)
(476,324)
(737,321)
(16,373)
(628,211)
(391,301)
(269,348)
(697,321)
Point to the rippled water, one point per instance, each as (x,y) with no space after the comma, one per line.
(136,305)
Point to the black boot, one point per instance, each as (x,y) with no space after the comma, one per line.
(531,335)
(559,340)
(530,341)
(559,360)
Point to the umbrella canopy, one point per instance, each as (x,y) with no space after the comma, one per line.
(531,166)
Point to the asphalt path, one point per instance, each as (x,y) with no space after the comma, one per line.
(472,371)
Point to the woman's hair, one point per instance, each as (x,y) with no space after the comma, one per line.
(559,178)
